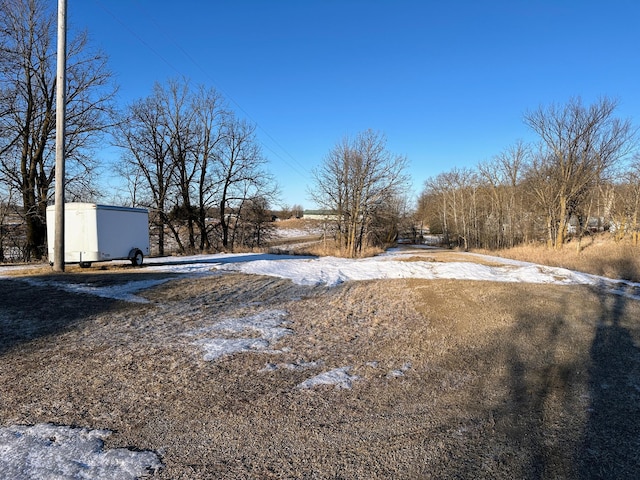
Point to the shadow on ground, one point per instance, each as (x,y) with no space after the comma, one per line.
(568,395)
(29,312)
(611,442)
(558,392)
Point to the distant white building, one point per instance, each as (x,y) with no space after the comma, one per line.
(319,215)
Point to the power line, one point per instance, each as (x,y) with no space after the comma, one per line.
(136,36)
(294,164)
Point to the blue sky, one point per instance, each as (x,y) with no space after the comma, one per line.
(447,82)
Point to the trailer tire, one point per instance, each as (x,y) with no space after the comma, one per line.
(85,264)
(137,258)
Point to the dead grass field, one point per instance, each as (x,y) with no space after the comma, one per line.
(458,379)
(597,254)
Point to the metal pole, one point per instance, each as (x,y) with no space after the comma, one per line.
(61,83)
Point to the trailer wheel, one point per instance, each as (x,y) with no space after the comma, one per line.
(85,264)
(137,258)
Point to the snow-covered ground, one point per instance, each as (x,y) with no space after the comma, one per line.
(296,232)
(332,271)
(47,451)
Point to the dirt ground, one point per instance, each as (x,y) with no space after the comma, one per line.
(457,379)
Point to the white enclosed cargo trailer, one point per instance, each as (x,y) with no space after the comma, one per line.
(97,233)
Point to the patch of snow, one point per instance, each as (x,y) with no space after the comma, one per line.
(125,292)
(269,367)
(214,348)
(268,323)
(296,232)
(399,372)
(272,367)
(46,451)
(340,377)
(332,271)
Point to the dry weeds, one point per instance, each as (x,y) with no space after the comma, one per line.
(299,224)
(330,248)
(457,379)
(598,255)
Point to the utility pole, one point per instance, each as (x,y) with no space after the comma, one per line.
(61,87)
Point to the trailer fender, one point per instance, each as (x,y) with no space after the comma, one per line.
(136,257)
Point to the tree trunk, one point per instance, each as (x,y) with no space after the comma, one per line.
(562,223)
(36,235)
(224,225)
(161,238)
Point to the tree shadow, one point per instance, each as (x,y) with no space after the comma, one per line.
(29,312)
(611,442)
(573,407)
(541,394)
(215,259)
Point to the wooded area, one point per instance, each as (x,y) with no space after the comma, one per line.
(577,180)
(197,167)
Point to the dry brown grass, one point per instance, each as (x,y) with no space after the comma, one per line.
(299,224)
(598,255)
(458,379)
(330,248)
(443,255)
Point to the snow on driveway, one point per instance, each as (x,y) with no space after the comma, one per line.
(332,271)
(47,451)
(125,291)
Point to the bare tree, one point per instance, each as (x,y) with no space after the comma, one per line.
(197,160)
(633,200)
(291,211)
(623,203)
(27,109)
(240,175)
(212,116)
(146,142)
(182,123)
(6,201)
(255,227)
(433,205)
(392,219)
(358,178)
(297,211)
(579,145)
(502,176)
(456,191)
(428,214)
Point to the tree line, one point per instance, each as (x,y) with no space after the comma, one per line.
(197,167)
(576,179)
